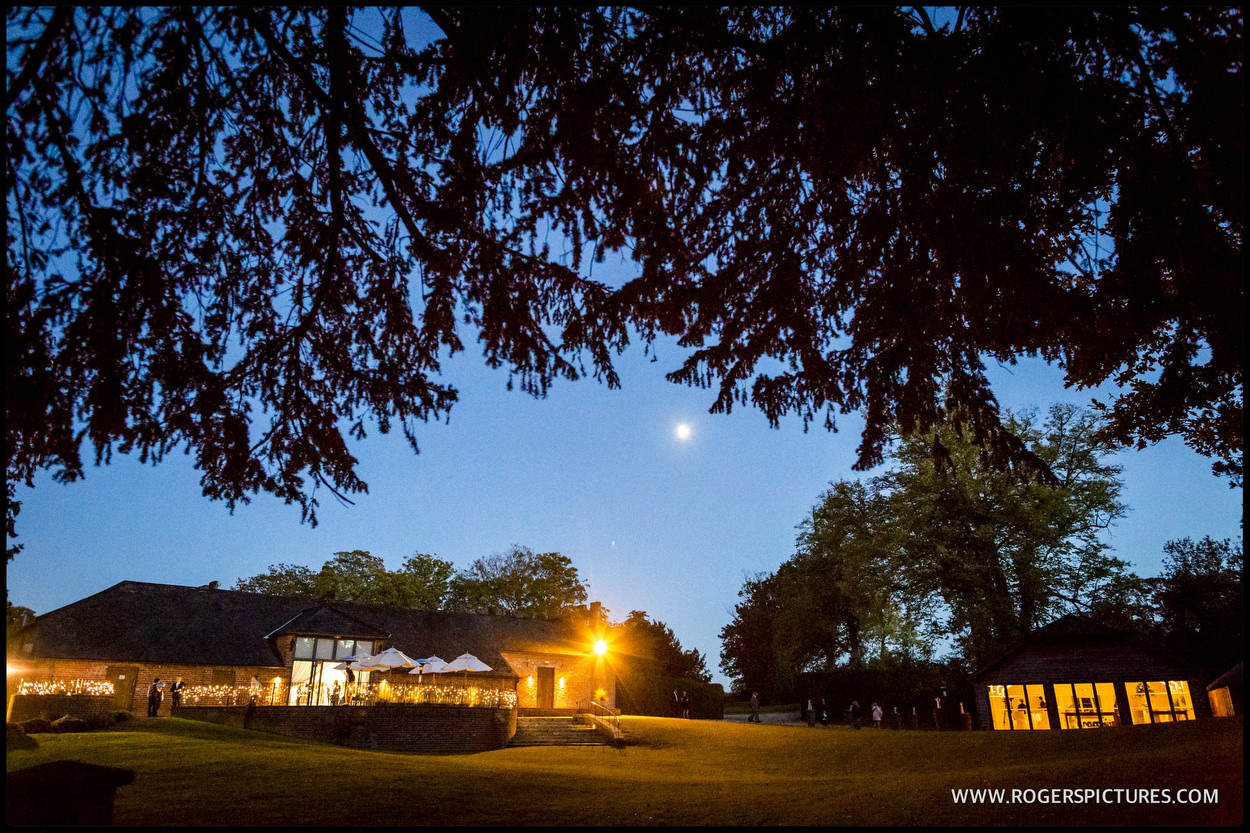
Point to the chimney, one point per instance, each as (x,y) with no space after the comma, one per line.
(596,616)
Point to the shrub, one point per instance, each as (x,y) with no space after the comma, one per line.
(100,721)
(36,725)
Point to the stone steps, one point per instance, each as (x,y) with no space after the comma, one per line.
(555,731)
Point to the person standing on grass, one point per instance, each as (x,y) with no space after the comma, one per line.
(855,714)
(175,692)
(824,712)
(755,708)
(876,716)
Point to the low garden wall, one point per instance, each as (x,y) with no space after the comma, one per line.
(390,727)
(26,706)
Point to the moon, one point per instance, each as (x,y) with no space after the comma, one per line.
(683,431)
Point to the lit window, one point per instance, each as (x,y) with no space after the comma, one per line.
(1086,705)
(1018,707)
(1160,702)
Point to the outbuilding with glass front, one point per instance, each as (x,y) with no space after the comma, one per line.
(1077,674)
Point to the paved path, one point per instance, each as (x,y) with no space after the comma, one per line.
(775,718)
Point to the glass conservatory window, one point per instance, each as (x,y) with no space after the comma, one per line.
(1086,705)
(1018,707)
(1160,702)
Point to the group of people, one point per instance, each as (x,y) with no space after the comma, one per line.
(856,716)
(680,704)
(156,695)
(819,710)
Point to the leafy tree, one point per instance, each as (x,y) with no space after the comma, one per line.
(749,655)
(1201,603)
(353,576)
(844,580)
(943,544)
(255,233)
(356,576)
(282,580)
(520,582)
(658,647)
(422,581)
(1006,553)
(1125,603)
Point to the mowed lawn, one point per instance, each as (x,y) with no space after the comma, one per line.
(671,772)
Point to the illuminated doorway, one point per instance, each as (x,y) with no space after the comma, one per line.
(546,688)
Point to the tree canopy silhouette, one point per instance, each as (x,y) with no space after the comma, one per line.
(256,233)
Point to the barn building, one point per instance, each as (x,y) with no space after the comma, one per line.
(230,647)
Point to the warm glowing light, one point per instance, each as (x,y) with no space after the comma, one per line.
(683,431)
(97,688)
(601,647)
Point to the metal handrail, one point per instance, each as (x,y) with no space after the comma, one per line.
(608,716)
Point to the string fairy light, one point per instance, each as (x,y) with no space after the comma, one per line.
(98,688)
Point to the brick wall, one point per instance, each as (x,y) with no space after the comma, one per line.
(51,706)
(388,728)
(192,675)
(576,678)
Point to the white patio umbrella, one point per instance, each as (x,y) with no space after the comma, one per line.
(428,665)
(466,663)
(388,659)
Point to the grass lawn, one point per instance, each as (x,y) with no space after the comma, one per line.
(679,772)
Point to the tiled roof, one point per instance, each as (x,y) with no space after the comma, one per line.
(1073,626)
(162,623)
(1069,629)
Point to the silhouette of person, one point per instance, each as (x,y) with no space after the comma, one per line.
(155,695)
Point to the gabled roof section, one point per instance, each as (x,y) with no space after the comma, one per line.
(327,620)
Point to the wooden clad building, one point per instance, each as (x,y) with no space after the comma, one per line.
(1077,674)
(231,647)
(1226,691)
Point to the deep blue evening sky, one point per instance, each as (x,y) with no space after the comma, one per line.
(651,522)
